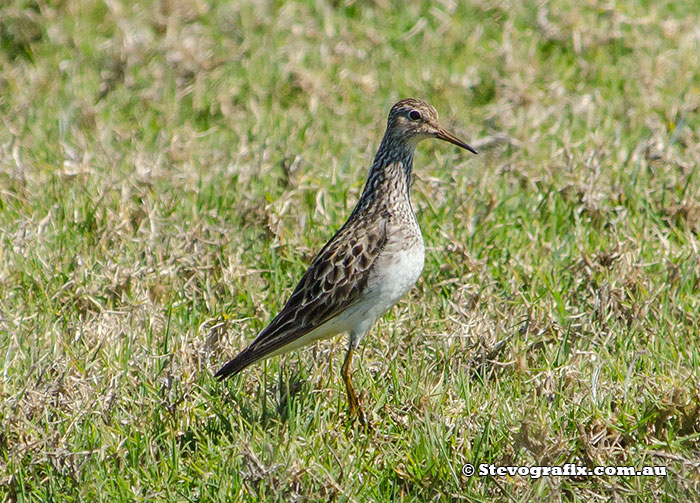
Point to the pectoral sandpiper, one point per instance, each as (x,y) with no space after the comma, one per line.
(369,264)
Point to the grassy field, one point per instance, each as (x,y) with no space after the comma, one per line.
(168,169)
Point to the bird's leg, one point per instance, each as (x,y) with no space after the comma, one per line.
(354,406)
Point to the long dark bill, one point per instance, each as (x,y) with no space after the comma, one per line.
(447,136)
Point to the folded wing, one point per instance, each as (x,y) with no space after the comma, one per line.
(333,282)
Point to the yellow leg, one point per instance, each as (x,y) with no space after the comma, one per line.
(354,406)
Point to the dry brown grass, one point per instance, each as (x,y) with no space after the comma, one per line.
(168,168)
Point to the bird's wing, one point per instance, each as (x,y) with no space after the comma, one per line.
(333,282)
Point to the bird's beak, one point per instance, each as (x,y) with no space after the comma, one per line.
(447,136)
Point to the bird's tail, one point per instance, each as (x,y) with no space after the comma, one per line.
(240,362)
(269,342)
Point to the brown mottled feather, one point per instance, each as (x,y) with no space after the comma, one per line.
(333,282)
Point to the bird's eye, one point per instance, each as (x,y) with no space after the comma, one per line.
(414,115)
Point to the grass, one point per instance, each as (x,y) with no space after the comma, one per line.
(169,168)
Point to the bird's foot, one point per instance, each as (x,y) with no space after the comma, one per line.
(356,411)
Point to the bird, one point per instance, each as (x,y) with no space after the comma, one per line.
(372,261)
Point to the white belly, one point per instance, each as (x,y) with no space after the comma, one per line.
(392,277)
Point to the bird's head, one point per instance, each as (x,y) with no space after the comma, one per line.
(412,120)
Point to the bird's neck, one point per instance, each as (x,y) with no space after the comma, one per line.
(389,179)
